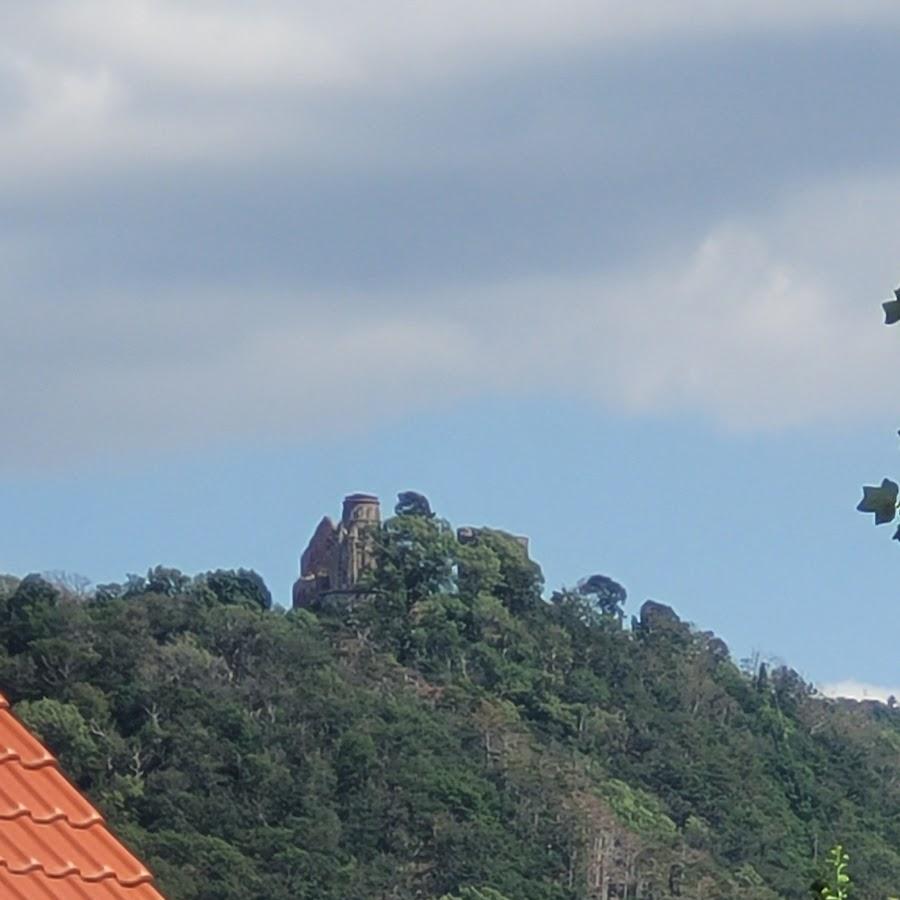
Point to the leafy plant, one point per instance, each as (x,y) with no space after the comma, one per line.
(881,500)
(838,883)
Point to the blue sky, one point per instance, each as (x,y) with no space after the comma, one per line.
(605,274)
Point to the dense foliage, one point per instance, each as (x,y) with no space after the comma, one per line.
(449,735)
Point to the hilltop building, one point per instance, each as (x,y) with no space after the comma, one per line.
(338,554)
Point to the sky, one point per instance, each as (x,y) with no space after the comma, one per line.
(605,274)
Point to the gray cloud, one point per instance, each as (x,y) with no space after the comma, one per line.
(204,238)
(553,165)
(752,328)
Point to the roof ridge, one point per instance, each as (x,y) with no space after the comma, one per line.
(42,762)
(75,871)
(81,825)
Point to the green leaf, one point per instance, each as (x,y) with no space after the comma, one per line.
(882,501)
(892,309)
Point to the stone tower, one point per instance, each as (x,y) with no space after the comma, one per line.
(338,555)
(362,513)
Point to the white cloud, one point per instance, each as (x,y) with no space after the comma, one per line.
(65,115)
(266,71)
(426,31)
(852,689)
(220,45)
(742,331)
(756,327)
(317,41)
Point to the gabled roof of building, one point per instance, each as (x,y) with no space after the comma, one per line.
(53,844)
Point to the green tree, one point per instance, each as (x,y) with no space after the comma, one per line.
(237,586)
(166,581)
(409,503)
(606,595)
(414,557)
(30,611)
(65,731)
(521,582)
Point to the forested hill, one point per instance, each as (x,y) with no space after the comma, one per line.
(450,734)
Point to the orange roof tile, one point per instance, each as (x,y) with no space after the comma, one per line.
(53,843)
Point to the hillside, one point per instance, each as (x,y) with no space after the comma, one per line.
(447,734)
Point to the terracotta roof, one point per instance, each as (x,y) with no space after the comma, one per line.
(53,843)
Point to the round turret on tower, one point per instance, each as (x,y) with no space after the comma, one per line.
(361,509)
